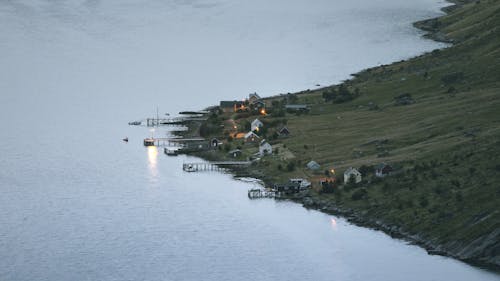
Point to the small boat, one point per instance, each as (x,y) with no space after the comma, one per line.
(125,139)
(171,152)
(135,123)
(190,168)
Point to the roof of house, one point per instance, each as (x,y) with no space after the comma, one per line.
(249,134)
(284,130)
(255,95)
(313,165)
(352,170)
(296,106)
(230,103)
(257,122)
(234,151)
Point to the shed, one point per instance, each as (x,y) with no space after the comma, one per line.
(352,172)
(284,132)
(265,148)
(215,143)
(383,169)
(235,153)
(313,165)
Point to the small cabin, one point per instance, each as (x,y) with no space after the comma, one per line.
(352,173)
(256,125)
(313,166)
(251,137)
(214,143)
(383,169)
(265,148)
(284,132)
(235,153)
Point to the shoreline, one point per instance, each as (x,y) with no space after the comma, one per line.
(314,200)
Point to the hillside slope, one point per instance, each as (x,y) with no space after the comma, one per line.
(435,118)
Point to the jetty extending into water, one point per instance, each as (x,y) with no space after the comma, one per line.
(171,142)
(262,193)
(214,166)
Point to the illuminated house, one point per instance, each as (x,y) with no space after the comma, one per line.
(232,106)
(256,125)
(251,137)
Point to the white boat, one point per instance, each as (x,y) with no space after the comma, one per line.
(190,168)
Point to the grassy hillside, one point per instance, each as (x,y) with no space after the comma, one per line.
(436,118)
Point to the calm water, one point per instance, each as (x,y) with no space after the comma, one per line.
(78,204)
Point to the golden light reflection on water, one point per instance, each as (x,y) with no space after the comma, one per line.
(333,223)
(153,161)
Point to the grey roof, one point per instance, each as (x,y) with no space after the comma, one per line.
(313,165)
(229,103)
(296,106)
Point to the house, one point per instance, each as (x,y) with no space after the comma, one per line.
(214,143)
(258,105)
(354,173)
(251,137)
(293,186)
(232,106)
(252,98)
(313,165)
(265,148)
(382,170)
(256,124)
(284,132)
(303,183)
(296,108)
(289,187)
(235,153)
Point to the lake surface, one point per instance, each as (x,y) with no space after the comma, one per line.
(77,203)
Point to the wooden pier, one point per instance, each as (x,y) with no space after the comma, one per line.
(154,122)
(171,142)
(262,193)
(213,166)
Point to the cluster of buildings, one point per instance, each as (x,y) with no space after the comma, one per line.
(255,103)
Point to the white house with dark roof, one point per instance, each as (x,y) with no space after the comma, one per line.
(265,148)
(352,172)
(256,124)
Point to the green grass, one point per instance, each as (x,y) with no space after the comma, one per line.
(447,143)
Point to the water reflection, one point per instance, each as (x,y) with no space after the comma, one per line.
(153,162)
(333,223)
